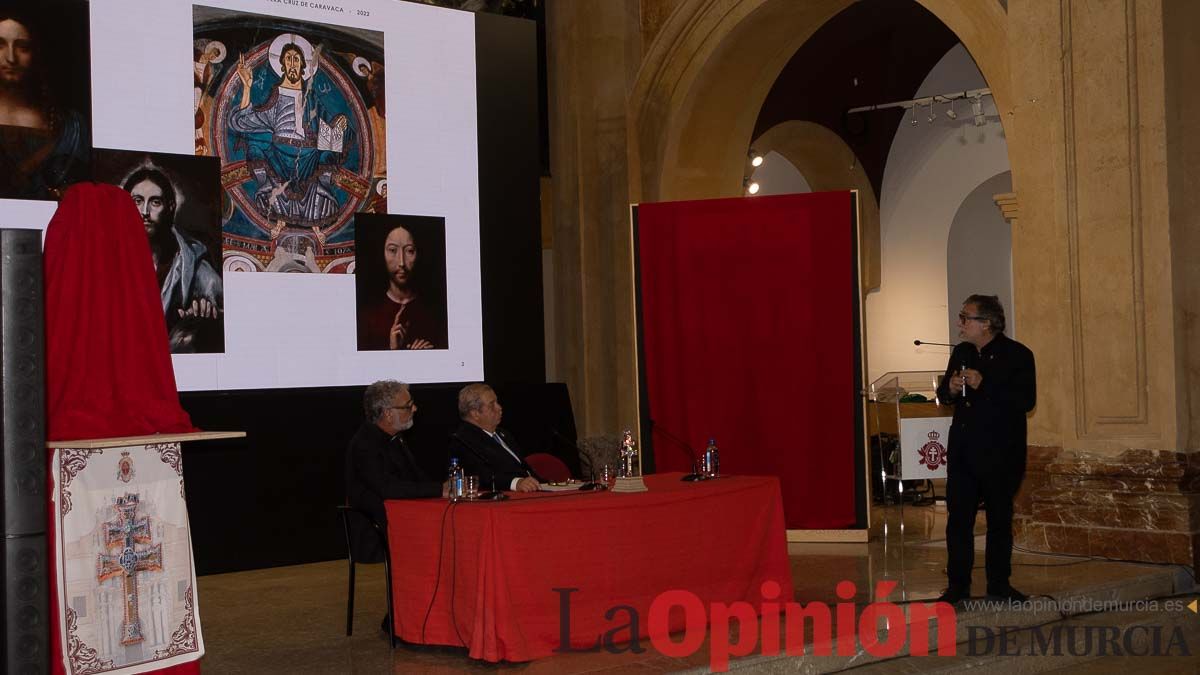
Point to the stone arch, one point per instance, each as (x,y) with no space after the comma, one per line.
(706,74)
(827,163)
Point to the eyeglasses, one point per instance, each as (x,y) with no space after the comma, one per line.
(409,406)
(963,318)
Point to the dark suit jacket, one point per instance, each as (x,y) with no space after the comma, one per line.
(479,454)
(987,436)
(380,467)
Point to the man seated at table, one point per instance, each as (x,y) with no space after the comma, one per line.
(486,450)
(380,465)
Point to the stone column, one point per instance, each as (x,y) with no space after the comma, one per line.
(1093,265)
(593,52)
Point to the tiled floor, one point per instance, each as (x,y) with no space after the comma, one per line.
(292,619)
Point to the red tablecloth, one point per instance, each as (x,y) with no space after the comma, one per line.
(500,562)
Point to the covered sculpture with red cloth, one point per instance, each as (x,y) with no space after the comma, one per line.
(108,366)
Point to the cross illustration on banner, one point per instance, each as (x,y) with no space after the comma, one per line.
(121,536)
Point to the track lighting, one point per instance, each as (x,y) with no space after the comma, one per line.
(950,110)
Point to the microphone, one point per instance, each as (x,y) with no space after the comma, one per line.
(691,453)
(926,342)
(591,484)
(493,496)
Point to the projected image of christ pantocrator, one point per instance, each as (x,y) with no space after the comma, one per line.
(296,113)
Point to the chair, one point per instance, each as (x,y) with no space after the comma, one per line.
(548,467)
(347,512)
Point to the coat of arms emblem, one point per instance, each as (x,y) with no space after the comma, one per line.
(933,453)
(125,468)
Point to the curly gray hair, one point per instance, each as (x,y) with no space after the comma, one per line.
(378,397)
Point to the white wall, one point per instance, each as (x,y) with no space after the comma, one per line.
(979,253)
(777,176)
(931,169)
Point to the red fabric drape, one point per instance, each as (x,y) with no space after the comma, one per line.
(747,328)
(108,367)
(483,577)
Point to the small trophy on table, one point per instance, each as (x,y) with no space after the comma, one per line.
(629,471)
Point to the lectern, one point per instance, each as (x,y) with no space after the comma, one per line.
(909,435)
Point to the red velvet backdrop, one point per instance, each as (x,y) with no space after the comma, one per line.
(747,317)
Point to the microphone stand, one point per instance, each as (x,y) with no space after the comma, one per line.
(691,454)
(493,496)
(961,367)
(591,484)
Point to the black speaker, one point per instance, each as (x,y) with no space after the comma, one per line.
(22,453)
(26,607)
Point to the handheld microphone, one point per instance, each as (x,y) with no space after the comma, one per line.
(689,451)
(926,342)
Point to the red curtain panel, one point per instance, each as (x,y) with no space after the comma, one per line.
(748,323)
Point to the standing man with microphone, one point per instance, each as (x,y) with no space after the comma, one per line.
(991,382)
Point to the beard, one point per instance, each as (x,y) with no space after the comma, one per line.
(293,76)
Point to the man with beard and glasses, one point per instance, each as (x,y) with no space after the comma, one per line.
(399,318)
(43,146)
(380,465)
(190,287)
(293,143)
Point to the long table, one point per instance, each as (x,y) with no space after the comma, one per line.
(495,577)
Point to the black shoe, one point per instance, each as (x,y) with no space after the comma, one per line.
(383,625)
(954,596)
(1006,594)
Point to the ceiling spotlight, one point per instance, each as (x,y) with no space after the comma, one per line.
(756,159)
(932,113)
(750,185)
(913,122)
(950,110)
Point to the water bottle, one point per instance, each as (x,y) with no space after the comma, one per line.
(456,480)
(710,465)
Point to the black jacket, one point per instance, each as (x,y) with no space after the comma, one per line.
(989,431)
(479,454)
(380,467)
